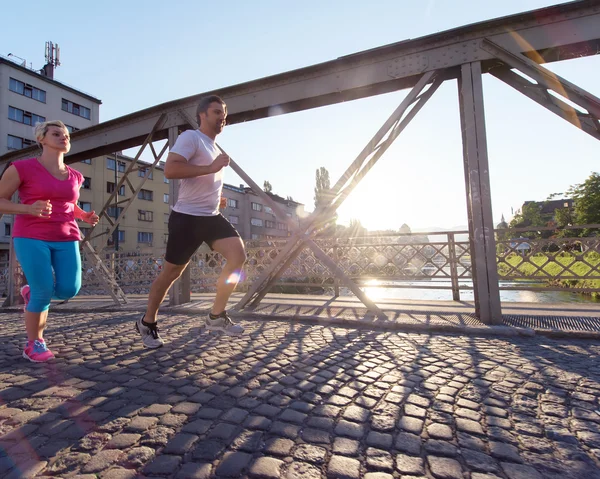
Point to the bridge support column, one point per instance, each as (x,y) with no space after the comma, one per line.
(479,200)
(180,291)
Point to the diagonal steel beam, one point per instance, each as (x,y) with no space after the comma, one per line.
(545,77)
(271,273)
(335,203)
(124,178)
(586,122)
(381,149)
(295,244)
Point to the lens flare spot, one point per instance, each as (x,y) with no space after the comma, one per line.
(234,278)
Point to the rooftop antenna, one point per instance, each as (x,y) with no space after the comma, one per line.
(52,59)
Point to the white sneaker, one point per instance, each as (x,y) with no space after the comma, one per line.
(224,324)
(149,334)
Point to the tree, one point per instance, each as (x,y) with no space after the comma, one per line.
(530,215)
(404,229)
(355,228)
(586,197)
(267,187)
(323,197)
(322,187)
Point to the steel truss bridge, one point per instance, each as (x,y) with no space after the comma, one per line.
(512,49)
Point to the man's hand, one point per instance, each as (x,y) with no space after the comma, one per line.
(41,209)
(90,217)
(220,162)
(223,203)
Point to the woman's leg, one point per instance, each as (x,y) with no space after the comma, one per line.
(34,257)
(66,262)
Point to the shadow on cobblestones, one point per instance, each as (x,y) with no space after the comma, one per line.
(295,401)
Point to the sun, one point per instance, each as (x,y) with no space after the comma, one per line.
(365,205)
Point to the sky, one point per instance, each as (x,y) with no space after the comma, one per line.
(136,54)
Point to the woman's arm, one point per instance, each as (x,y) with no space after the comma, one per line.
(9,184)
(91,217)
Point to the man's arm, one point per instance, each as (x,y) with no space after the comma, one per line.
(177,167)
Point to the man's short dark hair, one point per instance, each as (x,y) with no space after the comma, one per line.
(205,103)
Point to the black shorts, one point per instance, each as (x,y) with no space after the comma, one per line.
(188,232)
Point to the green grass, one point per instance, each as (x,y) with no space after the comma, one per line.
(552,268)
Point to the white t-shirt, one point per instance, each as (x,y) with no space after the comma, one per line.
(198,196)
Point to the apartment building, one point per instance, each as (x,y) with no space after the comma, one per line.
(29,96)
(256,220)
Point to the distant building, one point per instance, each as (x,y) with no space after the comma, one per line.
(548,208)
(503,224)
(29,96)
(255,220)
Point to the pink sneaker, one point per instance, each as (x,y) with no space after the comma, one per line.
(37,351)
(26,294)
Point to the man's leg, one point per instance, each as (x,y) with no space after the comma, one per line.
(232,249)
(146,325)
(169,273)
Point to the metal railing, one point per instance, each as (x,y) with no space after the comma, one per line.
(554,260)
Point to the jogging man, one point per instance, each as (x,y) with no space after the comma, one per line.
(198,163)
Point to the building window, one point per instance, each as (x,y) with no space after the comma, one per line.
(25,117)
(234,220)
(7,229)
(165,180)
(110,164)
(144,237)
(142,172)
(85,206)
(146,195)
(282,226)
(76,109)
(114,212)
(16,142)
(145,215)
(231,203)
(72,129)
(87,162)
(84,231)
(110,188)
(166,217)
(270,224)
(87,183)
(120,234)
(27,90)
(166,197)
(268,210)
(255,236)
(256,222)
(257,206)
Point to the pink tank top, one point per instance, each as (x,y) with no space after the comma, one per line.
(38,184)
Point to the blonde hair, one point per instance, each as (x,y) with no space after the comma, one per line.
(42,128)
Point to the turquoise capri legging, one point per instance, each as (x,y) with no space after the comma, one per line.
(52,269)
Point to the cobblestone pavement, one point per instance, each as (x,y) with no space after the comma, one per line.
(295,401)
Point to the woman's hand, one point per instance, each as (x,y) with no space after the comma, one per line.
(41,209)
(90,217)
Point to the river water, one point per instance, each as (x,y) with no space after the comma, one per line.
(426,292)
